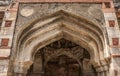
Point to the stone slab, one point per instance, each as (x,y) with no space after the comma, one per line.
(4,52)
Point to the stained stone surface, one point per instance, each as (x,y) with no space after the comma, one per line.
(3,67)
(43,9)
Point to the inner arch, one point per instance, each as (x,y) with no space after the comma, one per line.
(39,33)
(62,24)
(62,58)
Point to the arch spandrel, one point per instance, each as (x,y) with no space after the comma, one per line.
(41,33)
(55,37)
(60,15)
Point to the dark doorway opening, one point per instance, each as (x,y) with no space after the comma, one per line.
(62,58)
(62,66)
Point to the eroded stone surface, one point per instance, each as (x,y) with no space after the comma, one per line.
(42,9)
(27,11)
(4,67)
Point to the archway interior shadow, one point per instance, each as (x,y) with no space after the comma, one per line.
(63,66)
(62,58)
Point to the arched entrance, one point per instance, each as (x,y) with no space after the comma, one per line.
(39,35)
(62,58)
(62,66)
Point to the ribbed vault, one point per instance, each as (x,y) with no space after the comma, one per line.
(41,32)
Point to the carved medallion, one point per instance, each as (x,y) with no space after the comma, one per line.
(27,11)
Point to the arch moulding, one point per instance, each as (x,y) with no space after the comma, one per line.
(40,32)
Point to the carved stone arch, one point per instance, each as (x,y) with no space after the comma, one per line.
(41,32)
(32,23)
(53,51)
(57,37)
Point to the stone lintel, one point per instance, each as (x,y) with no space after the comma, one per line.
(91,1)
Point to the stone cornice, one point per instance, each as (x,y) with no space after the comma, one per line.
(91,1)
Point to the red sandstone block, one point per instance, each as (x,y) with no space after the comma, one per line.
(8,23)
(4,42)
(115,41)
(107,5)
(111,23)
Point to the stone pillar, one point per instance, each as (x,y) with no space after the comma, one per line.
(113,32)
(21,68)
(103,70)
(107,73)
(6,37)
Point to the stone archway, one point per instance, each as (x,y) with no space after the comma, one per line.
(41,32)
(63,58)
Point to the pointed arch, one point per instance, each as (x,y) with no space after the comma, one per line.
(41,32)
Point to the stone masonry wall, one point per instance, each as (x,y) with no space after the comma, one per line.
(6,35)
